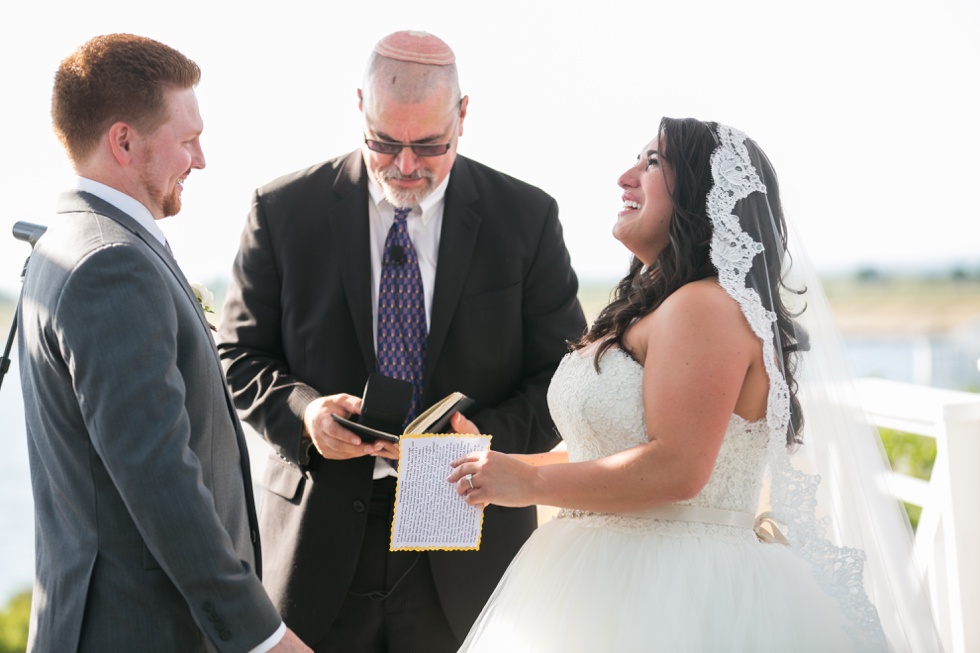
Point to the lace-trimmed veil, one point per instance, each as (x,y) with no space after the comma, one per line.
(828,493)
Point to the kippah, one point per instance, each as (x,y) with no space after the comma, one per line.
(416,47)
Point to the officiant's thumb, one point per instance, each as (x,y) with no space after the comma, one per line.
(462,425)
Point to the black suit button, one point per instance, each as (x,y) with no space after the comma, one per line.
(225,635)
(359,506)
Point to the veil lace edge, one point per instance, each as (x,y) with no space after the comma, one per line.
(839,570)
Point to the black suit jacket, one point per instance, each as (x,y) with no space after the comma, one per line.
(298,325)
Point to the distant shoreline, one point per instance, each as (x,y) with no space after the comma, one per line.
(877,303)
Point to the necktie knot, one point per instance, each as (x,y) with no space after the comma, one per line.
(401,215)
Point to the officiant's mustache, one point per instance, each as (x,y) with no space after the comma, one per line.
(393,173)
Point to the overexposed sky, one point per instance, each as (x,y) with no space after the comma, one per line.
(868,109)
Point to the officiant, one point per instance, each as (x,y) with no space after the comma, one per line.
(407,259)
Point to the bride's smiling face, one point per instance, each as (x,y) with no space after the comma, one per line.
(642,223)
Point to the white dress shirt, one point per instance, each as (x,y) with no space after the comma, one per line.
(425,229)
(124,203)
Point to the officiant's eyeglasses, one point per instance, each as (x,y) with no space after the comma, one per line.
(420,149)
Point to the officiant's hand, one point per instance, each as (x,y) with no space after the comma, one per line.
(493,477)
(462,425)
(332,440)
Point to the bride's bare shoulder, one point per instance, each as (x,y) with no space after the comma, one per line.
(697,300)
(699,308)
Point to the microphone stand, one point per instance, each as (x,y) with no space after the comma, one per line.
(30,233)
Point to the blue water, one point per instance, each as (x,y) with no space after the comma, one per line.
(882,358)
(16,504)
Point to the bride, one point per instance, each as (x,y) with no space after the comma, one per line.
(694,517)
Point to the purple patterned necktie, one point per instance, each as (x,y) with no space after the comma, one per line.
(402,331)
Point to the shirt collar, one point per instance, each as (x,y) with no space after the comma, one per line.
(426,204)
(131,207)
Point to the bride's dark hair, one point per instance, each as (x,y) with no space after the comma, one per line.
(686,145)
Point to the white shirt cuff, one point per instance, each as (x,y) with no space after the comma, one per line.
(273,639)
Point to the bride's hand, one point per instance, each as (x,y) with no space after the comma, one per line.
(493,477)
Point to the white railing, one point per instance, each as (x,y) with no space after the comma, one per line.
(948,534)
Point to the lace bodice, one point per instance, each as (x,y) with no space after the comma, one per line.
(601,414)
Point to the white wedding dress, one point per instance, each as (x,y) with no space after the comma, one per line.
(599,582)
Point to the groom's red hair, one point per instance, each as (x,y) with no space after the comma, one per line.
(115,78)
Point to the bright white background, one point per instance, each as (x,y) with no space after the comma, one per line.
(868,109)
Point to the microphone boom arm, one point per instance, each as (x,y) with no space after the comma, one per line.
(29,233)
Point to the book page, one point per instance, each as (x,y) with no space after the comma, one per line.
(423,422)
(428,513)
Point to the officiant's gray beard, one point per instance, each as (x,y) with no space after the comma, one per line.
(405,198)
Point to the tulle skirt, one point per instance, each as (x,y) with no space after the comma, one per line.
(579,587)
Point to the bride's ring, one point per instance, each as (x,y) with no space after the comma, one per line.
(469,479)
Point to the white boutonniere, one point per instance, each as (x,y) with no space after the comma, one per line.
(205,298)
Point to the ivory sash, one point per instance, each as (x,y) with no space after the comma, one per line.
(717,516)
(764,526)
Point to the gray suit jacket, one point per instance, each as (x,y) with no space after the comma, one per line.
(145,532)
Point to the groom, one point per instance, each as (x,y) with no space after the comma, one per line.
(146,536)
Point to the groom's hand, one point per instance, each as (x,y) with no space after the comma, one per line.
(332,440)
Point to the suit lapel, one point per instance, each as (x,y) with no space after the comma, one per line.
(82,201)
(351,231)
(460,226)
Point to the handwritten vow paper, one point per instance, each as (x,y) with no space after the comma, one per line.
(429,515)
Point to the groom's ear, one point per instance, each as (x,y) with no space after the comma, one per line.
(121,137)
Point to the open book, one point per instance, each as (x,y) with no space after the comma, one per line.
(385,404)
(429,514)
